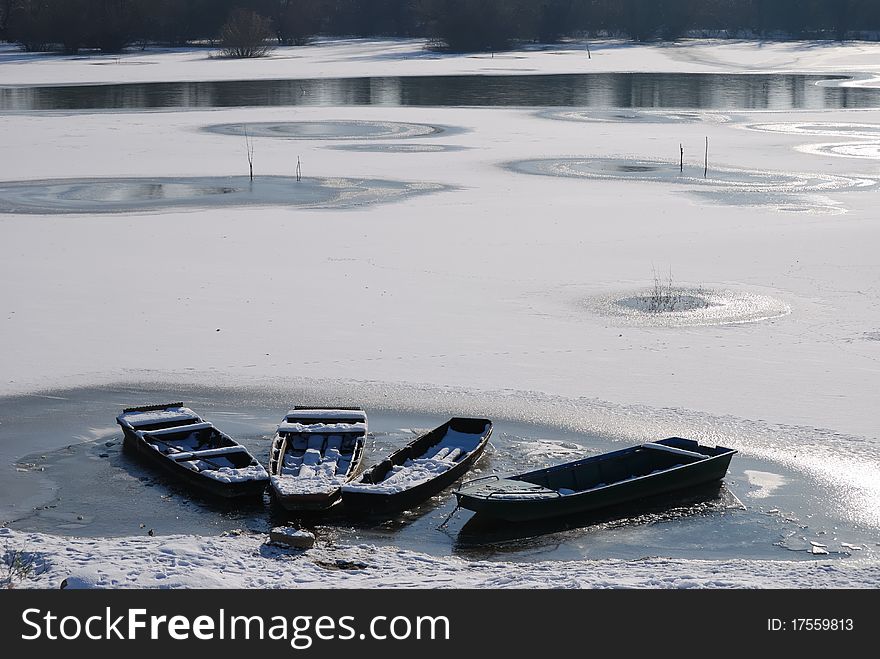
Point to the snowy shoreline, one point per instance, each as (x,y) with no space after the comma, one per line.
(246,561)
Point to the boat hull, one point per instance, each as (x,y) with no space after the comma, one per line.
(371,502)
(533,508)
(320,499)
(138,447)
(364,501)
(307,502)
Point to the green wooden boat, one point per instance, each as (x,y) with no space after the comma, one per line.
(596,482)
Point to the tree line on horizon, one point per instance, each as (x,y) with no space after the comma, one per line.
(458,25)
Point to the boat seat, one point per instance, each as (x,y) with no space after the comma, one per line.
(311,457)
(334,442)
(316,442)
(175,430)
(673,449)
(208,453)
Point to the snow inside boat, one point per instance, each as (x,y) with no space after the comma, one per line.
(596,482)
(421,469)
(316,450)
(178,440)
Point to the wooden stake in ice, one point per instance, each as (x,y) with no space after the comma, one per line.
(298,169)
(706,162)
(681,162)
(250,153)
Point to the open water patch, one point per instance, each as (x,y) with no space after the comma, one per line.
(136,499)
(329,130)
(122,195)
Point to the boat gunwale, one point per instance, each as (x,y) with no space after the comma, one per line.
(400,455)
(551,494)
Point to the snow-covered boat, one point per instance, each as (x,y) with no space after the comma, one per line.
(177,439)
(421,469)
(316,450)
(597,482)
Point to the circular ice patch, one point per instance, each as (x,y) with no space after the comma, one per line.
(834,129)
(740,180)
(328,130)
(863,150)
(634,116)
(397,148)
(120,195)
(688,307)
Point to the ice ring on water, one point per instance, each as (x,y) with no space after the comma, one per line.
(397,148)
(668,172)
(122,195)
(827,128)
(688,307)
(634,116)
(329,130)
(864,150)
(778,190)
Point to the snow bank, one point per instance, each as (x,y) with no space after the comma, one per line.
(246,561)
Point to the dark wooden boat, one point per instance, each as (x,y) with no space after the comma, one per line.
(597,482)
(178,440)
(316,450)
(421,469)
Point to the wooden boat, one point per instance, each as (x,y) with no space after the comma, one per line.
(316,450)
(421,469)
(596,482)
(178,440)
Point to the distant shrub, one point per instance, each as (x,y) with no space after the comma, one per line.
(246,34)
